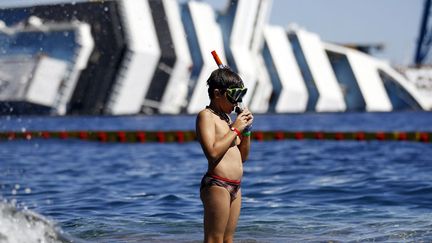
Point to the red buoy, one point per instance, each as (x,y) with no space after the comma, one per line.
(28,135)
(279,135)
(259,136)
(141,137)
(319,135)
(160,137)
(63,135)
(121,136)
(83,135)
(102,136)
(45,135)
(339,136)
(424,137)
(402,136)
(380,136)
(299,135)
(360,136)
(180,136)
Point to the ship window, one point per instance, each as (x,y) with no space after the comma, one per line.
(399,97)
(347,80)
(277,86)
(305,71)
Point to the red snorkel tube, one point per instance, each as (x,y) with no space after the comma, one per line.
(217,59)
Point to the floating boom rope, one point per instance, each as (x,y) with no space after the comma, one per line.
(189,136)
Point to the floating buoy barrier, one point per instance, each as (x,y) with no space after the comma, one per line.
(188,136)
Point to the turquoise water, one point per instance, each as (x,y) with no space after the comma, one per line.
(293,191)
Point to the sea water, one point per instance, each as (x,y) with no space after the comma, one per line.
(293,191)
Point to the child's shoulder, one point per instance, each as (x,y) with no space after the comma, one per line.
(204,114)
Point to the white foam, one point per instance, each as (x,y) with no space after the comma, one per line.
(18,226)
(329,181)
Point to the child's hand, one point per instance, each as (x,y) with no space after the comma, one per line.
(249,116)
(244,119)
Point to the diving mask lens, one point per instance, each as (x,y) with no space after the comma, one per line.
(235,95)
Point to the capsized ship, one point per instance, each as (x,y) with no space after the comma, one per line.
(129,57)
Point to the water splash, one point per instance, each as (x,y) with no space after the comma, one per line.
(26,226)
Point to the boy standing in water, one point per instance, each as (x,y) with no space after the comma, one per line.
(226,145)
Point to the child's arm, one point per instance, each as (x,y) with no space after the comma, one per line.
(206,131)
(244,146)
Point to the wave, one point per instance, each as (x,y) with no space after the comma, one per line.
(27,226)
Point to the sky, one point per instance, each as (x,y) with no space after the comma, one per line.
(394,23)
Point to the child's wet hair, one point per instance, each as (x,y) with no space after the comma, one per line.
(222,79)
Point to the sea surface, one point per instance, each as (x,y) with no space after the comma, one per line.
(293,191)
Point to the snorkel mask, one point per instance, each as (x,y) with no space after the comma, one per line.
(235,95)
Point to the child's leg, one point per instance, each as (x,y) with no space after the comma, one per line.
(216,202)
(233,219)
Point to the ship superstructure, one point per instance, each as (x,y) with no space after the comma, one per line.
(153,56)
